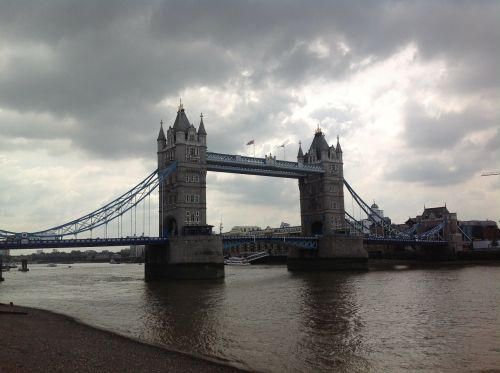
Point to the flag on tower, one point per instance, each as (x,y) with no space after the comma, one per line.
(251,142)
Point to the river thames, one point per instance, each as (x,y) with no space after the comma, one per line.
(264,318)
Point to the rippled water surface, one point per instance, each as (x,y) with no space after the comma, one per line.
(265,318)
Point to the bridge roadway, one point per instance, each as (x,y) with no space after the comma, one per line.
(81,242)
(310,243)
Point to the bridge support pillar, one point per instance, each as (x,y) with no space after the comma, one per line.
(185,257)
(335,252)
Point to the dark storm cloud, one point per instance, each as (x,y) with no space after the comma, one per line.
(105,65)
(260,121)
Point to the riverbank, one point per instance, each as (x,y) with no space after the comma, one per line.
(34,340)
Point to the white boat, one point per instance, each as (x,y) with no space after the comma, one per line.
(112,261)
(12,265)
(236,261)
(52,265)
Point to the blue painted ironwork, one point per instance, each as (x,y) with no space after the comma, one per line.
(353,223)
(412,230)
(464,234)
(5,234)
(256,256)
(105,214)
(260,166)
(433,231)
(230,242)
(402,241)
(80,242)
(268,166)
(372,214)
(408,237)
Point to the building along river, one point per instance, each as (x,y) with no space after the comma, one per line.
(265,318)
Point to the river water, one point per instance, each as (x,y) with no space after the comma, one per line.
(265,318)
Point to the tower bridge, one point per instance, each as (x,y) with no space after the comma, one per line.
(186,247)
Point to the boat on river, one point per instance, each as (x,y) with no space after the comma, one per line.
(236,261)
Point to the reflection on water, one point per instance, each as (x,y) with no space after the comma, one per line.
(330,316)
(267,319)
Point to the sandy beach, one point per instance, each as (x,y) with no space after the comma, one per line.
(34,340)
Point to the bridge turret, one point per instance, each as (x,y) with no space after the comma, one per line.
(161,140)
(161,143)
(338,151)
(300,155)
(202,134)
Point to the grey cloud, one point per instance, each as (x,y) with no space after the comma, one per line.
(431,171)
(443,132)
(98,63)
(458,164)
(258,191)
(440,150)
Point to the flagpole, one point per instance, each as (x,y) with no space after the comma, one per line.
(254,149)
(284,154)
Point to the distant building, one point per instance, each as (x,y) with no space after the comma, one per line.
(238,230)
(373,223)
(253,230)
(273,248)
(137,251)
(483,233)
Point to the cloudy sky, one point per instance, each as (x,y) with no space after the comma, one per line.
(411,88)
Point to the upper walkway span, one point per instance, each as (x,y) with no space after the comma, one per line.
(269,166)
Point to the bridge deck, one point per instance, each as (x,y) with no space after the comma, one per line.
(259,166)
(81,242)
(229,241)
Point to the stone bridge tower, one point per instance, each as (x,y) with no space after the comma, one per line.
(322,196)
(191,251)
(322,213)
(183,208)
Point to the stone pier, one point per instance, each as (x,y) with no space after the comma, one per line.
(335,252)
(185,257)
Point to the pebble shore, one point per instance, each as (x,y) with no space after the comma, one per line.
(34,340)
